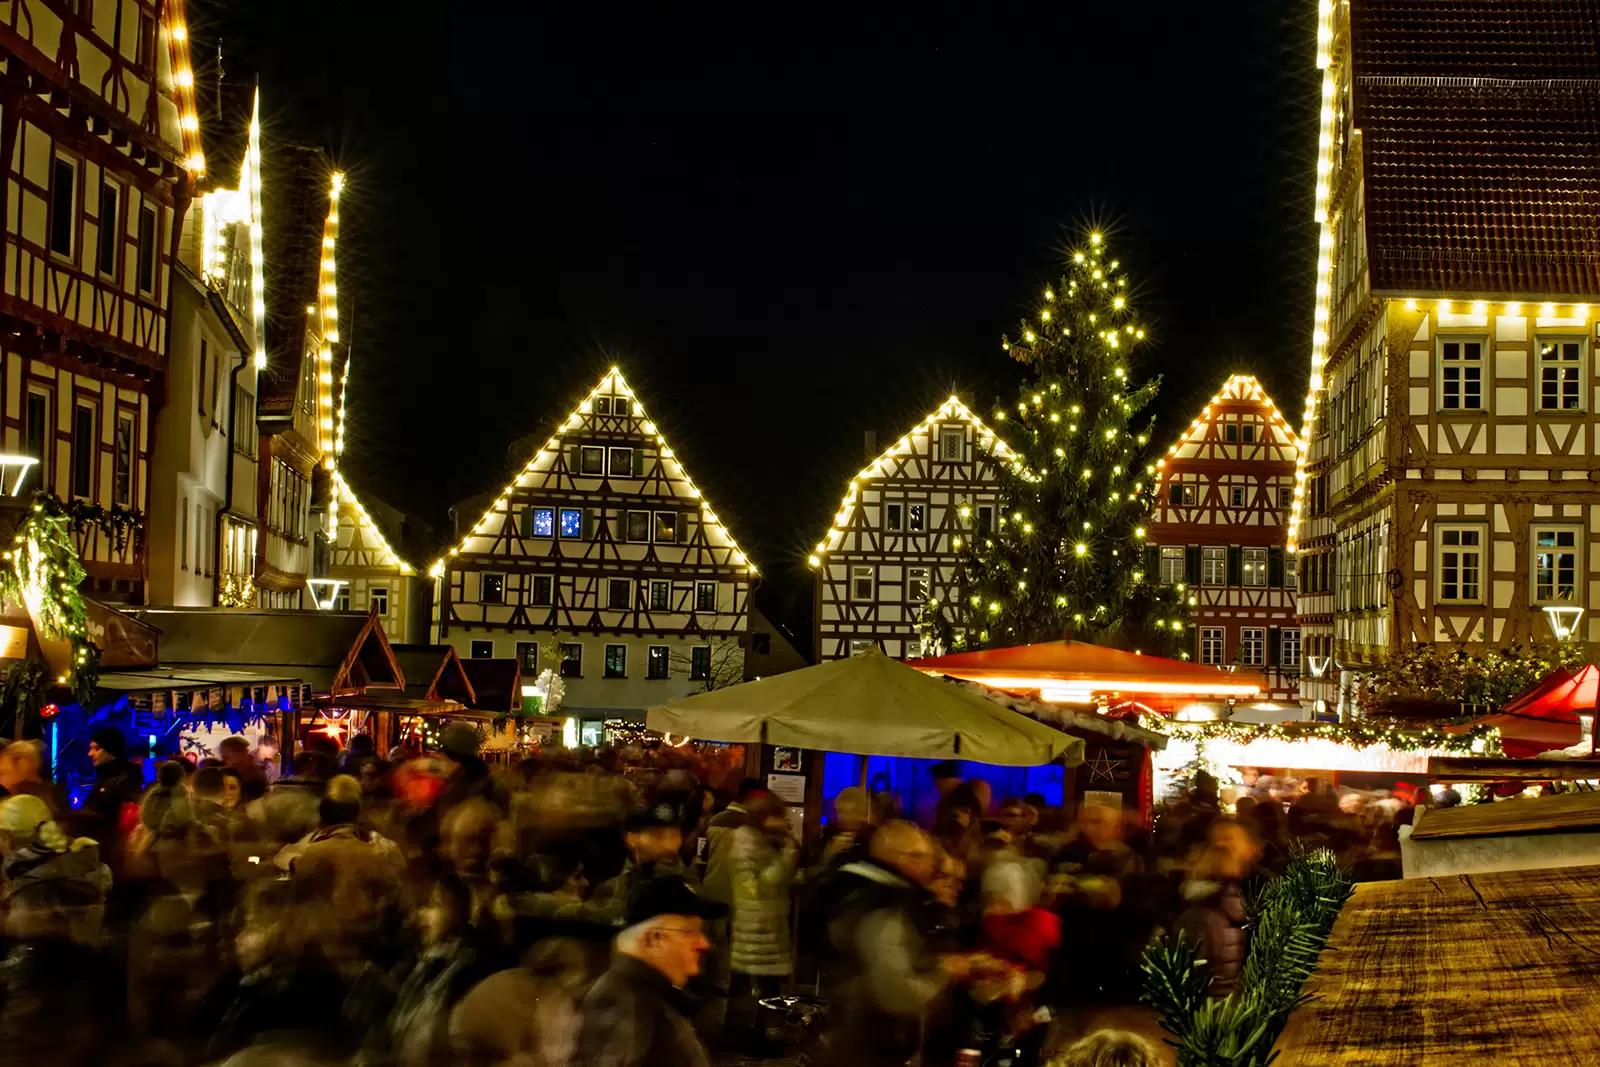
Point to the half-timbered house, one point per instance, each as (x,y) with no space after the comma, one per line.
(366,566)
(202,531)
(1450,481)
(1220,529)
(100,144)
(603,545)
(296,407)
(895,540)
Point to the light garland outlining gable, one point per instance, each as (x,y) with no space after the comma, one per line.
(177,30)
(224,209)
(326,311)
(611,383)
(1237,387)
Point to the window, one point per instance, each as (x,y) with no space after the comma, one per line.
(619,594)
(986,518)
(147,249)
(591,460)
(341,602)
(638,526)
(110,198)
(201,391)
(528,658)
(1236,496)
(144,54)
(199,539)
(572,661)
(916,517)
(244,422)
(666,527)
(1461,375)
(705,596)
(122,473)
(952,446)
(571,523)
(543,591)
(1172,564)
(1255,566)
(1289,649)
(483,650)
(916,585)
(621,462)
(1560,377)
(1181,493)
(378,599)
(621,407)
(63,206)
(492,588)
(1230,432)
(183,533)
(539,522)
(1214,565)
(1285,497)
(861,583)
(1555,563)
(1247,433)
(38,435)
(1460,565)
(657,661)
(616,661)
(1211,646)
(660,596)
(1290,567)
(700,663)
(894,517)
(85,443)
(602,405)
(1252,645)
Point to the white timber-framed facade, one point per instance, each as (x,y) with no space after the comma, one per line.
(895,542)
(1450,484)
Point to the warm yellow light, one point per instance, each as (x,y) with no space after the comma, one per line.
(184,78)
(1548,311)
(1513,308)
(1139,532)
(1094,238)
(1080,548)
(180,32)
(1480,307)
(1444,307)
(191,121)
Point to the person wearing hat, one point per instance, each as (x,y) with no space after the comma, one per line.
(117,784)
(654,836)
(637,1014)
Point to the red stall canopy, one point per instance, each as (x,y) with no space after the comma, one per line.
(1076,672)
(1546,716)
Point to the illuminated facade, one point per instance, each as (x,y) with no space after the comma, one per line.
(1447,489)
(895,539)
(1219,528)
(101,150)
(604,545)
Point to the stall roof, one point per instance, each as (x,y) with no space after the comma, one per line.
(274,639)
(1068,670)
(1521,815)
(1476,968)
(159,678)
(387,700)
(1066,719)
(496,684)
(1560,697)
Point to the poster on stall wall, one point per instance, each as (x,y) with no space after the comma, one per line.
(789,788)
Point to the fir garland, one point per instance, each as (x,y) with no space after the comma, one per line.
(1478,740)
(1289,919)
(44,561)
(121,525)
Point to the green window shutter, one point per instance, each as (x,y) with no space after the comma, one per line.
(1235,565)
(1275,566)
(1152,563)
(1274,637)
(1191,565)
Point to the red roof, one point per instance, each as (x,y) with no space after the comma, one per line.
(1074,664)
(1546,716)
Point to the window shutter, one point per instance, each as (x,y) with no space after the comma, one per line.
(591,524)
(1191,565)
(1235,565)
(1152,563)
(1274,637)
(1275,566)
(1175,493)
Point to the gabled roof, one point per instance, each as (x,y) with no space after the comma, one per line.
(450,681)
(345,497)
(611,383)
(952,410)
(1237,387)
(297,183)
(496,682)
(370,663)
(182,85)
(1480,134)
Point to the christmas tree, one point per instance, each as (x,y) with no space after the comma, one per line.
(1065,554)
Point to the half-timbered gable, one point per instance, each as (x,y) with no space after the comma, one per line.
(604,539)
(99,141)
(372,575)
(1448,485)
(1219,529)
(895,540)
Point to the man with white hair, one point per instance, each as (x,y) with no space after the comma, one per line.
(637,1014)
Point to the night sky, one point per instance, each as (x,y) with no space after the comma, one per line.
(787,225)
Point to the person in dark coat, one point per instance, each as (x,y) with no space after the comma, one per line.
(637,1014)
(1214,909)
(117,784)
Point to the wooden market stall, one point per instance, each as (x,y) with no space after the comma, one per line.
(1474,969)
(1510,835)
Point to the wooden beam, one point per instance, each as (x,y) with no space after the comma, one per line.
(1494,769)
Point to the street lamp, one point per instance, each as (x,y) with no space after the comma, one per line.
(324,591)
(1563,620)
(11,463)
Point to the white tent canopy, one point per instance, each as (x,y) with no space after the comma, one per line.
(869,705)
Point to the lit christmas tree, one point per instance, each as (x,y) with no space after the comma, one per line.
(1065,554)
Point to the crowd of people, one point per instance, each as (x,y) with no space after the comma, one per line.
(422,909)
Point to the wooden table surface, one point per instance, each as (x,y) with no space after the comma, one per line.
(1499,969)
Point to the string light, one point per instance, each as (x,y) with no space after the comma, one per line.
(183,82)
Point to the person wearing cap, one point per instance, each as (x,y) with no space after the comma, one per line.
(637,1014)
(653,836)
(117,784)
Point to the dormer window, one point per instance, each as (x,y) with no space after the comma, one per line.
(602,405)
(952,445)
(621,407)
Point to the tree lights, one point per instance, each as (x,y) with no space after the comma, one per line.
(1067,558)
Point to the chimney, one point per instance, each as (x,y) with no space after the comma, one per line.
(869,444)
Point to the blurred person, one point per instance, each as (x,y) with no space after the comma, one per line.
(958,823)
(232,789)
(845,838)
(719,837)
(289,810)
(1109,1048)
(267,758)
(637,1014)
(1101,893)
(419,1026)
(109,812)
(760,949)
(698,811)
(19,769)
(525,1015)
(237,757)
(1214,906)
(946,776)
(654,838)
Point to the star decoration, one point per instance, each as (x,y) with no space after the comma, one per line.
(1101,767)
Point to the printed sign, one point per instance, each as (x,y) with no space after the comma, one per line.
(789,788)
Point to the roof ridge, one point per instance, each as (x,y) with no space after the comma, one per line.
(1435,81)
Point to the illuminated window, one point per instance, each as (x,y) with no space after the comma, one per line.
(621,462)
(916,517)
(1460,570)
(1214,565)
(862,586)
(1289,649)
(572,661)
(1255,566)
(952,445)
(1555,563)
(705,596)
(657,662)
(1460,375)
(1252,645)
(1560,374)
(660,596)
(1211,646)
(616,661)
(638,526)
(666,527)
(619,594)
(591,460)
(1172,564)
(1181,493)
(700,663)
(378,599)
(492,588)
(602,405)
(916,585)
(571,523)
(1236,495)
